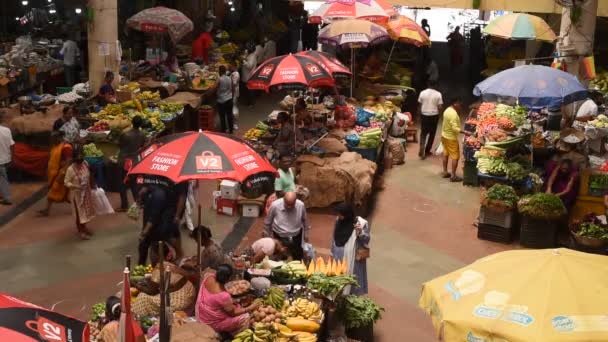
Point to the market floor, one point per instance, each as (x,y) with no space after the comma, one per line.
(421,228)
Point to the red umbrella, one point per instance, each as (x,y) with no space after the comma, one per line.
(329,62)
(126,331)
(290,72)
(200,155)
(25,322)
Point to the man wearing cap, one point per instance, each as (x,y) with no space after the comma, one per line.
(287,221)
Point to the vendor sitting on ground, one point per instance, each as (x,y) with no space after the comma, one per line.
(110,332)
(68,124)
(267,247)
(285,142)
(211,254)
(215,308)
(106,91)
(301,112)
(563,182)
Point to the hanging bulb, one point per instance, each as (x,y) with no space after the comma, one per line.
(232,9)
(78,11)
(24,3)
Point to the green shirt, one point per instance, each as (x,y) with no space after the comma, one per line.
(451,124)
(286,181)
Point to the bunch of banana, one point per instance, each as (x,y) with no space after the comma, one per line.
(253,134)
(110,112)
(244,336)
(148,96)
(275,298)
(131,86)
(265,332)
(304,308)
(303,336)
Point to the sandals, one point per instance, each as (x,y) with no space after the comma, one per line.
(455,179)
(446,175)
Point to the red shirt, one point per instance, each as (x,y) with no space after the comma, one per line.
(200,47)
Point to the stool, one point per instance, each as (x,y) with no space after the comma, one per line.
(411,133)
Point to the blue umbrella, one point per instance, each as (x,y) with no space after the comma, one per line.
(533,86)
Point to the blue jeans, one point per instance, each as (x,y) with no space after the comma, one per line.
(5,190)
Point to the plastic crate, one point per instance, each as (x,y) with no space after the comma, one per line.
(469,174)
(64,90)
(367,153)
(494,233)
(496,218)
(537,233)
(206,119)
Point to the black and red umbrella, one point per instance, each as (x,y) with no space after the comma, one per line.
(329,62)
(25,322)
(200,155)
(290,72)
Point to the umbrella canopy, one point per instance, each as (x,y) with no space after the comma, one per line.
(290,72)
(372,10)
(520,26)
(329,62)
(534,86)
(523,295)
(162,19)
(408,31)
(200,155)
(353,33)
(25,322)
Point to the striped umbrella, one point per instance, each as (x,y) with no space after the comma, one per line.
(520,26)
(353,33)
(372,10)
(408,31)
(329,62)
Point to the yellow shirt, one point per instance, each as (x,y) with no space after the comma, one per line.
(451,124)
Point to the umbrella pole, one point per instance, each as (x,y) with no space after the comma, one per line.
(389,57)
(352,70)
(198,253)
(163,304)
(128,261)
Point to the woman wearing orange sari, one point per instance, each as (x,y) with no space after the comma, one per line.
(59,160)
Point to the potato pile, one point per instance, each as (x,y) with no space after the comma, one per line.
(267,314)
(238,287)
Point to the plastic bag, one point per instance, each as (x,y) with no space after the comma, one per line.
(133,212)
(100,202)
(352,140)
(309,251)
(439,150)
(363,117)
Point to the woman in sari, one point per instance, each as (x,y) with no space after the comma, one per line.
(215,308)
(563,182)
(59,160)
(351,239)
(78,180)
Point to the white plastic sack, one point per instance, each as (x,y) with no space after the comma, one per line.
(100,202)
(400,122)
(439,150)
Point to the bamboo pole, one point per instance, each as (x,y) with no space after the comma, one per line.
(163,326)
(128,261)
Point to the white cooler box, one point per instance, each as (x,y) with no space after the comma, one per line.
(250,210)
(230,189)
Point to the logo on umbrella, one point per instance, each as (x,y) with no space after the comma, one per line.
(267,70)
(47,329)
(208,161)
(314,70)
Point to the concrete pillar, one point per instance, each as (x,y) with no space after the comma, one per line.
(103,30)
(577,39)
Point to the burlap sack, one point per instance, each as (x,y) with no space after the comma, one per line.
(185,98)
(36,122)
(332,146)
(396,149)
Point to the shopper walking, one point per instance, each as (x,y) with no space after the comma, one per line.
(70,52)
(78,180)
(224,101)
(129,144)
(287,221)
(190,205)
(456,46)
(449,138)
(60,159)
(249,64)
(156,221)
(236,92)
(430,101)
(6,153)
(351,241)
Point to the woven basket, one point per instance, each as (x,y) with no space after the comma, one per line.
(588,242)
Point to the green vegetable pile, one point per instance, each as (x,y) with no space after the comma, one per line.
(360,311)
(491,166)
(598,181)
(97,311)
(541,206)
(370,138)
(593,231)
(91,150)
(330,286)
(515,171)
(501,196)
(516,114)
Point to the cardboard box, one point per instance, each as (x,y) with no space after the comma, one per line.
(124,95)
(250,210)
(226,207)
(230,189)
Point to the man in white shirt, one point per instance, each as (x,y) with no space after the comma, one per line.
(249,64)
(224,101)
(236,81)
(270,49)
(287,222)
(6,152)
(430,101)
(70,52)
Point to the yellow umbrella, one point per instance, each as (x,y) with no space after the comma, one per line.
(406,30)
(522,296)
